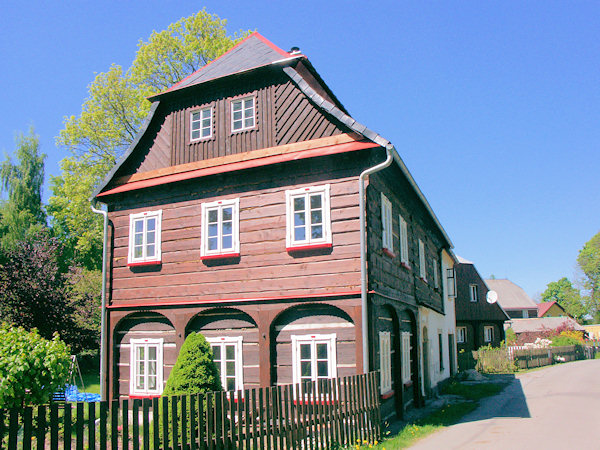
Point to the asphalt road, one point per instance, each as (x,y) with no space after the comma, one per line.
(557,407)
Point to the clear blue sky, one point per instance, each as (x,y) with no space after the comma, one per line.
(494,106)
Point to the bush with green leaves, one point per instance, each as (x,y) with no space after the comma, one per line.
(31,368)
(194,371)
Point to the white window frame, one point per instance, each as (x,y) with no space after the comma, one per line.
(237,341)
(385,361)
(403,240)
(451,282)
(243,101)
(307,192)
(200,121)
(149,342)
(313,339)
(406,366)
(436,273)
(219,205)
(422,264)
(144,216)
(387,237)
(488,333)
(473,293)
(461,335)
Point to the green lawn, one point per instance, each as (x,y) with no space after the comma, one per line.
(91,381)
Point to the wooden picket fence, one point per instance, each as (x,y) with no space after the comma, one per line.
(328,414)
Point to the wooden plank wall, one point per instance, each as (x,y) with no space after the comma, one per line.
(466,275)
(136,326)
(386,274)
(265,268)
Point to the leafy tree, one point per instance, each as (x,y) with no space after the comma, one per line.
(83,289)
(567,296)
(22,214)
(589,262)
(194,371)
(32,293)
(31,368)
(113,114)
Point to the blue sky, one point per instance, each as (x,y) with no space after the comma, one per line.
(494,106)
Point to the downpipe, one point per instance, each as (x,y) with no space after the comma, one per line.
(363,250)
(103,341)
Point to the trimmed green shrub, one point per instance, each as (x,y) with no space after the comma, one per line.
(194,371)
(31,368)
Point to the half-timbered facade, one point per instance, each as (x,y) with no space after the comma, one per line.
(237,213)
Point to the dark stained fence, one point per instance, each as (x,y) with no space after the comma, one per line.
(328,414)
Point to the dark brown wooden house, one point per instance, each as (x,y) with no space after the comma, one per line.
(479,317)
(237,213)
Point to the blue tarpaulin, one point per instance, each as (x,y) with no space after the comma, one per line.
(72,394)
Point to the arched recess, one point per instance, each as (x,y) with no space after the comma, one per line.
(387,322)
(297,337)
(410,369)
(235,334)
(156,334)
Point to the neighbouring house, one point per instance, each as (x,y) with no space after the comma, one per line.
(593,331)
(479,317)
(527,330)
(253,208)
(513,299)
(551,309)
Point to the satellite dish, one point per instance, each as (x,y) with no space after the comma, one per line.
(492,297)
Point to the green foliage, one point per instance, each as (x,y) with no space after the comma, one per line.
(31,368)
(22,214)
(180,50)
(83,290)
(589,262)
(194,371)
(493,360)
(511,336)
(112,115)
(567,296)
(565,339)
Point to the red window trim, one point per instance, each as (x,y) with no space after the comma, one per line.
(142,397)
(389,253)
(302,248)
(405,265)
(387,395)
(145,263)
(408,383)
(220,256)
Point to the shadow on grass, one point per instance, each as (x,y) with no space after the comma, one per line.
(510,402)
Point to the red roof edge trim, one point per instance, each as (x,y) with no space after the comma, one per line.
(240,165)
(231,300)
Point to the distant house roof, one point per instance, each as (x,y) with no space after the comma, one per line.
(511,296)
(545,306)
(542,323)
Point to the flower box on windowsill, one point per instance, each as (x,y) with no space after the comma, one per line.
(309,247)
(144,263)
(220,256)
(387,395)
(408,384)
(389,253)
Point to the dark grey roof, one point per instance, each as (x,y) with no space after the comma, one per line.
(254,51)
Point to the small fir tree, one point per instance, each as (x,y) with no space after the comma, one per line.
(194,371)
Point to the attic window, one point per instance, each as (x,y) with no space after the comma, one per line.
(243,114)
(201,124)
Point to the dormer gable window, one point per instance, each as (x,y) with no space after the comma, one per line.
(243,114)
(201,124)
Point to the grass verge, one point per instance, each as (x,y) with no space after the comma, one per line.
(443,417)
